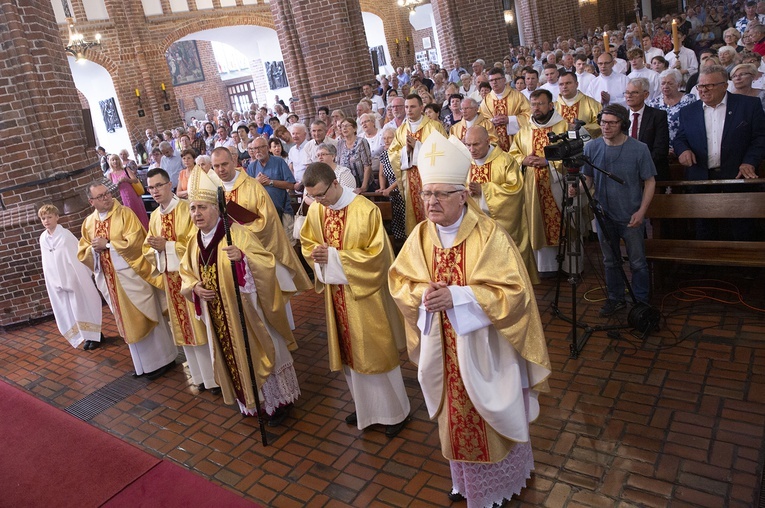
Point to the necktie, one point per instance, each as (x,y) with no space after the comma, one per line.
(634,133)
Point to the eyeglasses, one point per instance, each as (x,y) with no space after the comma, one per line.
(320,195)
(709,86)
(156,187)
(101,196)
(610,122)
(439,195)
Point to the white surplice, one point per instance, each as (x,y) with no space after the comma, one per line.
(73,296)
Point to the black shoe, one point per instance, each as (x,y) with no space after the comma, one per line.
(201,387)
(279,415)
(155,374)
(351,419)
(94,344)
(455,497)
(215,390)
(393,430)
(86,345)
(610,308)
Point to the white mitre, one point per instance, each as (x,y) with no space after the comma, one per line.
(443,160)
(203,186)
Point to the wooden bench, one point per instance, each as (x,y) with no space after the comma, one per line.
(734,199)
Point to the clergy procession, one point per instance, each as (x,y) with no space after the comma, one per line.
(217,281)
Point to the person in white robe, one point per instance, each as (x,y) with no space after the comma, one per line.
(73,297)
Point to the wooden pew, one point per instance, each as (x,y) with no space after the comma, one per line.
(697,200)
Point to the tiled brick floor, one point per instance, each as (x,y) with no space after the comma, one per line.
(675,421)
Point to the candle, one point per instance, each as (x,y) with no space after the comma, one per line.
(137,93)
(606,43)
(675,37)
(396,41)
(163,87)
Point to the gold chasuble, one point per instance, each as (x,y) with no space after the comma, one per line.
(409,182)
(175,227)
(364,327)
(126,234)
(503,195)
(484,258)
(584,108)
(542,211)
(257,213)
(511,103)
(211,267)
(460,128)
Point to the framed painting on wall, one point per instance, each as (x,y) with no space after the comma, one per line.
(184,63)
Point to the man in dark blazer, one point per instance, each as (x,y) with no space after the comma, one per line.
(734,123)
(648,125)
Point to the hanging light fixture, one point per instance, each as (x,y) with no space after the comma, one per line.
(507,11)
(410,4)
(77,45)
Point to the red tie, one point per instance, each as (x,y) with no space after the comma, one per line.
(634,125)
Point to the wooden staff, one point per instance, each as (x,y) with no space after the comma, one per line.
(250,366)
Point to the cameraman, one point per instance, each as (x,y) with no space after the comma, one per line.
(623,206)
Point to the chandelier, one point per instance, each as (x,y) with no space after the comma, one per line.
(77,45)
(409,4)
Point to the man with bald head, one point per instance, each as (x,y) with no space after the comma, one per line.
(471,117)
(496,183)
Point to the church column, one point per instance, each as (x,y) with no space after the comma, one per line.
(470,29)
(323,42)
(538,25)
(43,137)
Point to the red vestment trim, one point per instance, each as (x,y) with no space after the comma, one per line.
(334,228)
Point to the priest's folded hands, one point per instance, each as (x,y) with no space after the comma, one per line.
(437,297)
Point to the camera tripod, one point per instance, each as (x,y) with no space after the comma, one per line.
(570,247)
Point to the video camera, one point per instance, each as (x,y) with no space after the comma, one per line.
(567,147)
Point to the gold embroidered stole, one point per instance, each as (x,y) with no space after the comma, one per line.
(414,185)
(500,108)
(208,273)
(176,301)
(334,228)
(467,430)
(570,113)
(110,275)
(550,212)
(480,174)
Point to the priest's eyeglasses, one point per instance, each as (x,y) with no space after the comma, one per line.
(439,195)
(319,195)
(156,187)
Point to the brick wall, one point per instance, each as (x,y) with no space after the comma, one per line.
(44,105)
(470,29)
(418,35)
(538,25)
(212,90)
(397,28)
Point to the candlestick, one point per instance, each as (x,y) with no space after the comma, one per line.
(606,42)
(163,87)
(137,93)
(675,37)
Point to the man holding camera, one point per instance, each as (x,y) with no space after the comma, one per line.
(623,205)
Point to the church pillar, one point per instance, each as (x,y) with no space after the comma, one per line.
(45,154)
(538,25)
(470,29)
(323,42)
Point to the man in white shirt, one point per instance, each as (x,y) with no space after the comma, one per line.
(532,82)
(396,105)
(378,105)
(318,136)
(639,70)
(685,62)
(649,50)
(551,75)
(609,87)
(298,155)
(583,77)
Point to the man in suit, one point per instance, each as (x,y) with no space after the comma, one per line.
(734,124)
(648,125)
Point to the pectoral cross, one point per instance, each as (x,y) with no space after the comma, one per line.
(433,154)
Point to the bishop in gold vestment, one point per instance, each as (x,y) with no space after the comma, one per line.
(111,246)
(345,237)
(170,230)
(509,104)
(208,282)
(580,107)
(473,329)
(403,153)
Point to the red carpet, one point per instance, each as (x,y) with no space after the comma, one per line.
(50,458)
